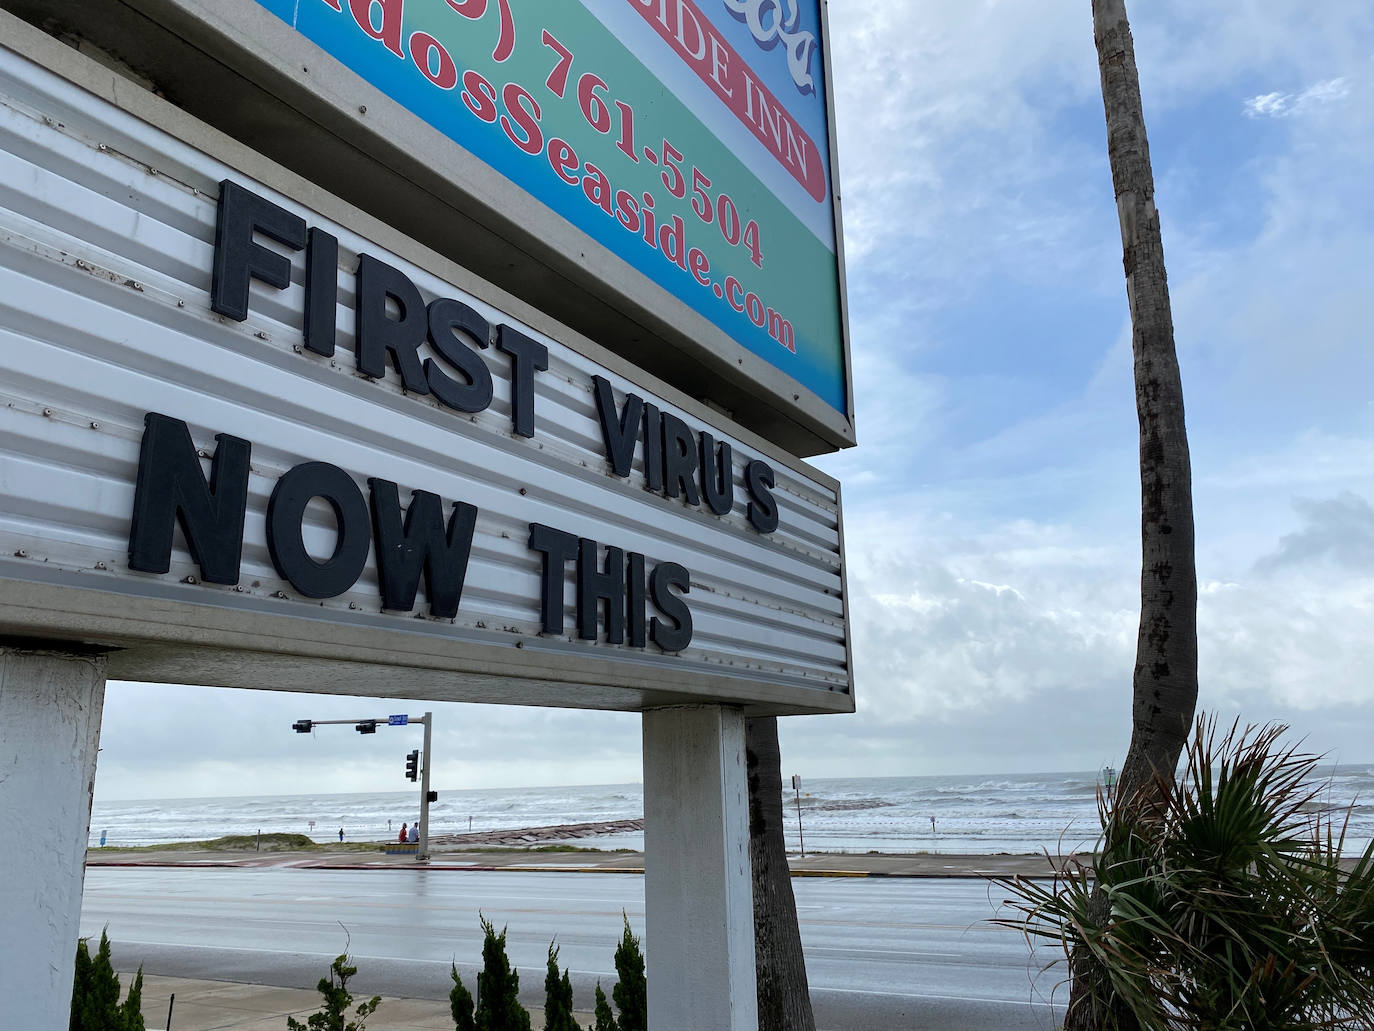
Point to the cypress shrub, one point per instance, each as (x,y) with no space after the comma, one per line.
(132,1011)
(460,1002)
(95,993)
(558,997)
(631,994)
(498,986)
(605,1019)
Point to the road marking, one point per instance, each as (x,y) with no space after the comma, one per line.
(929,995)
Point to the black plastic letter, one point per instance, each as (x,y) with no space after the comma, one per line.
(676,637)
(447,318)
(526,358)
(285,541)
(171,488)
(679,460)
(378,333)
(238,258)
(763,508)
(653,448)
(321,291)
(717,477)
(634,606)
(557,548)
(619,430)
(422,545)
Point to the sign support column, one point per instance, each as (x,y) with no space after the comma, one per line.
(699,903)
(50,706)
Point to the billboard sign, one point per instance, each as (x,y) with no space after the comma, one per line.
(689,137)
(252,441)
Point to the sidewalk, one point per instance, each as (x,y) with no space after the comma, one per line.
(218,1005)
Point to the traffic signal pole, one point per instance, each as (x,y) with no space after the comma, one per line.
(369,726)
(423,852)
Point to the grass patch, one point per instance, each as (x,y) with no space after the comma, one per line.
(229,843)
(302,843)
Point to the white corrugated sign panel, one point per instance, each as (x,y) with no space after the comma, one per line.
(107,241)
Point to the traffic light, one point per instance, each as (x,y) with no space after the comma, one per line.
(302,726)
(434,796)
(413,764)
(367,727)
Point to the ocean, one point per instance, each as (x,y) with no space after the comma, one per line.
(978,815)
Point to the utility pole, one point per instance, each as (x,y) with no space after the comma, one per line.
(369,726)
(796,786)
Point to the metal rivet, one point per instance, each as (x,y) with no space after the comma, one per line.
(22,553)
(95,425)
(47,411)
(189,580)
(519,644)
(101,565)
(362,109)
(523,491)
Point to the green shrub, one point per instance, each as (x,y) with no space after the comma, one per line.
(498,986)
(558,996)
(460,1002)
(631,994)
(337,998)
(605,1019)
(95,993)
(1227,906)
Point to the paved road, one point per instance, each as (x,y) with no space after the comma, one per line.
(881,953)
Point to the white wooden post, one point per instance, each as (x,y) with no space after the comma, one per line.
(699,906)
(50,705)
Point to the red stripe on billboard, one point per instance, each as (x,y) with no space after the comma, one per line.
(718,64)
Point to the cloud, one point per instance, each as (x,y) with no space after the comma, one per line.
(1284,105)
(176,741)
(1338,532)
(992,507)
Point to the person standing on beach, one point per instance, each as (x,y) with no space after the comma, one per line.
(932,825)
(340,834)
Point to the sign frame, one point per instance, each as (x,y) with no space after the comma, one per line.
(225,647)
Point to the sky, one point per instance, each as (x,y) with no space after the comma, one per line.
(992,505)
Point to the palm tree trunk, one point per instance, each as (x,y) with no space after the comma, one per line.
(1164,685)
(780,968)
